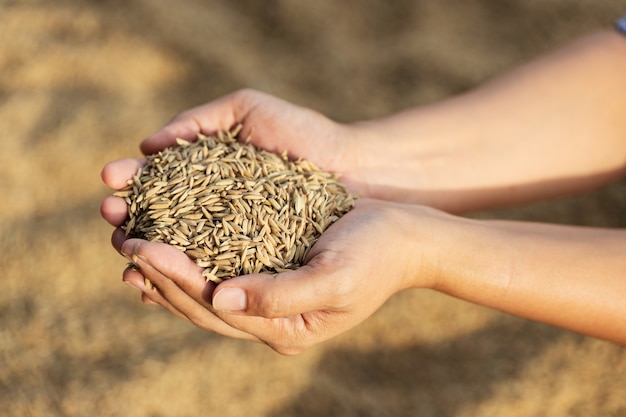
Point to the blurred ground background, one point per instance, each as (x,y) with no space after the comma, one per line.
(82,82)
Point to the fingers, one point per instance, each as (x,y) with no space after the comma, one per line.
(183,126)
(117,173)
(137,281)
(178,285)
(114,210)
(289,293)
(164,259)
(180,288)
(220,114)
(118,238)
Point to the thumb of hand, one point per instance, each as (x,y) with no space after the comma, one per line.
(286,294)
(230,299)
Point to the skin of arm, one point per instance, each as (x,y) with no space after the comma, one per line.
(571,277)
(567,276)
(551,127)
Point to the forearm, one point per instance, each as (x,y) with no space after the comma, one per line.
(571,277)
(552,127)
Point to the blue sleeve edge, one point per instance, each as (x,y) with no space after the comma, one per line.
(620,25)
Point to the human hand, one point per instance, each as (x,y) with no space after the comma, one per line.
(373,252)
(277,126)
(271,123)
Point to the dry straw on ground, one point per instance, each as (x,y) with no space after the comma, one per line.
(231,207)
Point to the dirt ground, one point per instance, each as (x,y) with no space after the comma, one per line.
(82,82)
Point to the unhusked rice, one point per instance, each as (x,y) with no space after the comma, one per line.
(233,208)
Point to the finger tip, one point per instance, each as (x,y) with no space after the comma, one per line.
(157,141)
(118,238)
(105,173)
(114,210)
(116,174)
(146,147)
(183,126)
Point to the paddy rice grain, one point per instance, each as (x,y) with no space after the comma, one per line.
(231,207)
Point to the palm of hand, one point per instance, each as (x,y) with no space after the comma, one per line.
(343,283)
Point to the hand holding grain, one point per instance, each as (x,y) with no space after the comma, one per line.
(252,109)
(273,124)
(355,266)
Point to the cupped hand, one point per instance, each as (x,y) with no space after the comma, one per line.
(153,264)
(348,270)
(368,255)
(271,123)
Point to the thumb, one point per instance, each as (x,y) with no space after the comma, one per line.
(220,114)
(286,294)
(206,119)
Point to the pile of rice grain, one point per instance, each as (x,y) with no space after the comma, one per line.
(233,208)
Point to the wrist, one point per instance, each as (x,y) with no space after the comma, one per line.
(427,155)
(384,165)
(464,257)
(440,251)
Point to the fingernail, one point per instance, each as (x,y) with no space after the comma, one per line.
(126,253)
(230,299)
(132,256)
